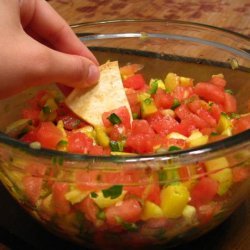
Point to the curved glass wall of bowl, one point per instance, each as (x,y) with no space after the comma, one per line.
(147,36)
(173,38)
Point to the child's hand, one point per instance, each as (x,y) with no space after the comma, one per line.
(38,47)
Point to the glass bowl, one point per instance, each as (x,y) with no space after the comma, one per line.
(138,201)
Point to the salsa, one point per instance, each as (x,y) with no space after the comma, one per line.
(143,205)
(168,115)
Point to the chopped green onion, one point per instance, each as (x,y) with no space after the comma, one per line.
(126,225)
(57,160)
(162,174)
(147,100)
(168,90)
(214,134)
(114,119)
(229,91)
(173,148)
(118,220)
(135,115)
(113,192)
(93,195)
(46,109)
(132,227)
(18,128)
(60,160)
(226,115)
(101,215)
(62,143)
(154,87)
(173,176)
(53,160)
(210,104)
(116,146)
(175,104)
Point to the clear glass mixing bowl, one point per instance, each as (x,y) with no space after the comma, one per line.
(66,192)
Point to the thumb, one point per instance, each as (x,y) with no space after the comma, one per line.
(70,70)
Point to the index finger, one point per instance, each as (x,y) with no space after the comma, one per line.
(39,17)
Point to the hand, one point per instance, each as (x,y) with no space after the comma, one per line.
(38,47)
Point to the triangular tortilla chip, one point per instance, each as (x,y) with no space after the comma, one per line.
(106,95)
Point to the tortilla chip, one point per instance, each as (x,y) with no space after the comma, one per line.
(108,94)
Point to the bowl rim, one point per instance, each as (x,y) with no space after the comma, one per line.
(198,24)
(241,140)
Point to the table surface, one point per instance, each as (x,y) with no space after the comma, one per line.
(19,231)
(229,14)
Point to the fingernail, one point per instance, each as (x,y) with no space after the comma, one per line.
(93,74)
